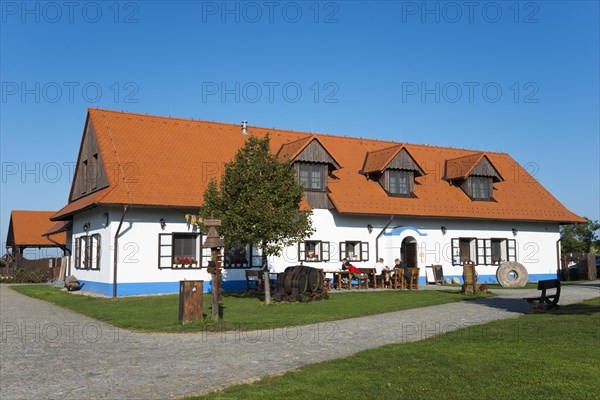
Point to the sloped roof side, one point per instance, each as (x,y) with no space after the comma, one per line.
(377,160)
(80,204)
(519,197)
(58,227)
(26,229)
(461,167)
(291,150)
(170,161)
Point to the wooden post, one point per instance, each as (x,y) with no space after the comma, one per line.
(215,256)
(215,243)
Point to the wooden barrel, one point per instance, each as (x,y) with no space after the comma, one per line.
(305,279)
(290,280)
(300,279)
(282,279)
(315,279)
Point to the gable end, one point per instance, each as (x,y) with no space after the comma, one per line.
(90,172)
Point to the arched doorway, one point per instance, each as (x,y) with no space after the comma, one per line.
(408,251)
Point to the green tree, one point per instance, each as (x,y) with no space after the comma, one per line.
(258,202)
(580,238)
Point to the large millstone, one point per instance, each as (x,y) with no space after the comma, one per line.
(512,274)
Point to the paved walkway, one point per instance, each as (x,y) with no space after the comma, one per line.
(47,352)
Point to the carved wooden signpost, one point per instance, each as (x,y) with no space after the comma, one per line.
(469,278)
(213,240)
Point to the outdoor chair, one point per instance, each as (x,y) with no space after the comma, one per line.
(254,280)
(413,280)
(398,280)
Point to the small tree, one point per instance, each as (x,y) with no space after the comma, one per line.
(258,203)
(580,238)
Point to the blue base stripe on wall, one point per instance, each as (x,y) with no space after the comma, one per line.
(131,289)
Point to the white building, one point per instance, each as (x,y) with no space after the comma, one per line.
(137,176)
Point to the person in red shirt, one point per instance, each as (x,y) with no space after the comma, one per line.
(349,267)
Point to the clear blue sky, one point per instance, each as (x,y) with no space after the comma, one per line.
(496,76)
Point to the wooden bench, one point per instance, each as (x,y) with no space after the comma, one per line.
(545,301)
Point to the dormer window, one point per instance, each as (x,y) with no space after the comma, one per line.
(475,174)
(312,176)
(395,170)
(313,165)
(400,182)
(481,187)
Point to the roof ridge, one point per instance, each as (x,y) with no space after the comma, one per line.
(386,148)
(480,154)
(296,132)
(297,140)
(39,211)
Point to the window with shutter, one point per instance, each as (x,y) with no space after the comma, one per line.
(94,253)
(354,251)
(324,251)
(257,257)
(512,250)
(455,243)
(237,257)
(302,251)
(84,253)
(181,250)
(488,251)
(364,251)
(313,251)
(342,250)
(204,254)
(77,254)
(165,250)
(481,252)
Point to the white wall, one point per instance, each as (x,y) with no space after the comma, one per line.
(536,242)
(139,245)
(97,224)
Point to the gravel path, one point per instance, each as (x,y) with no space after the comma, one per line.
(47,352)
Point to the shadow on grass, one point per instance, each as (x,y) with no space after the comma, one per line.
(595,284)
(521,306)
(577,309)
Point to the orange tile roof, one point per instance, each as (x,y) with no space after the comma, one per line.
(461,167)
(292,149)
(377,160)
(169,162)
(58,227)
(26,229)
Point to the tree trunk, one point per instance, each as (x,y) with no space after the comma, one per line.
(266,278)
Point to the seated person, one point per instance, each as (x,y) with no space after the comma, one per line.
(384,272)
(402,265)
(346,266)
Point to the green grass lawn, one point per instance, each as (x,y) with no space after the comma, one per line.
(537,356)
(160,313)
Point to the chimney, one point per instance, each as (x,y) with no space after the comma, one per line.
(244,127)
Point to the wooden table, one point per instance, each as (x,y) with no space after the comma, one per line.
(339,277)
(371,274)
